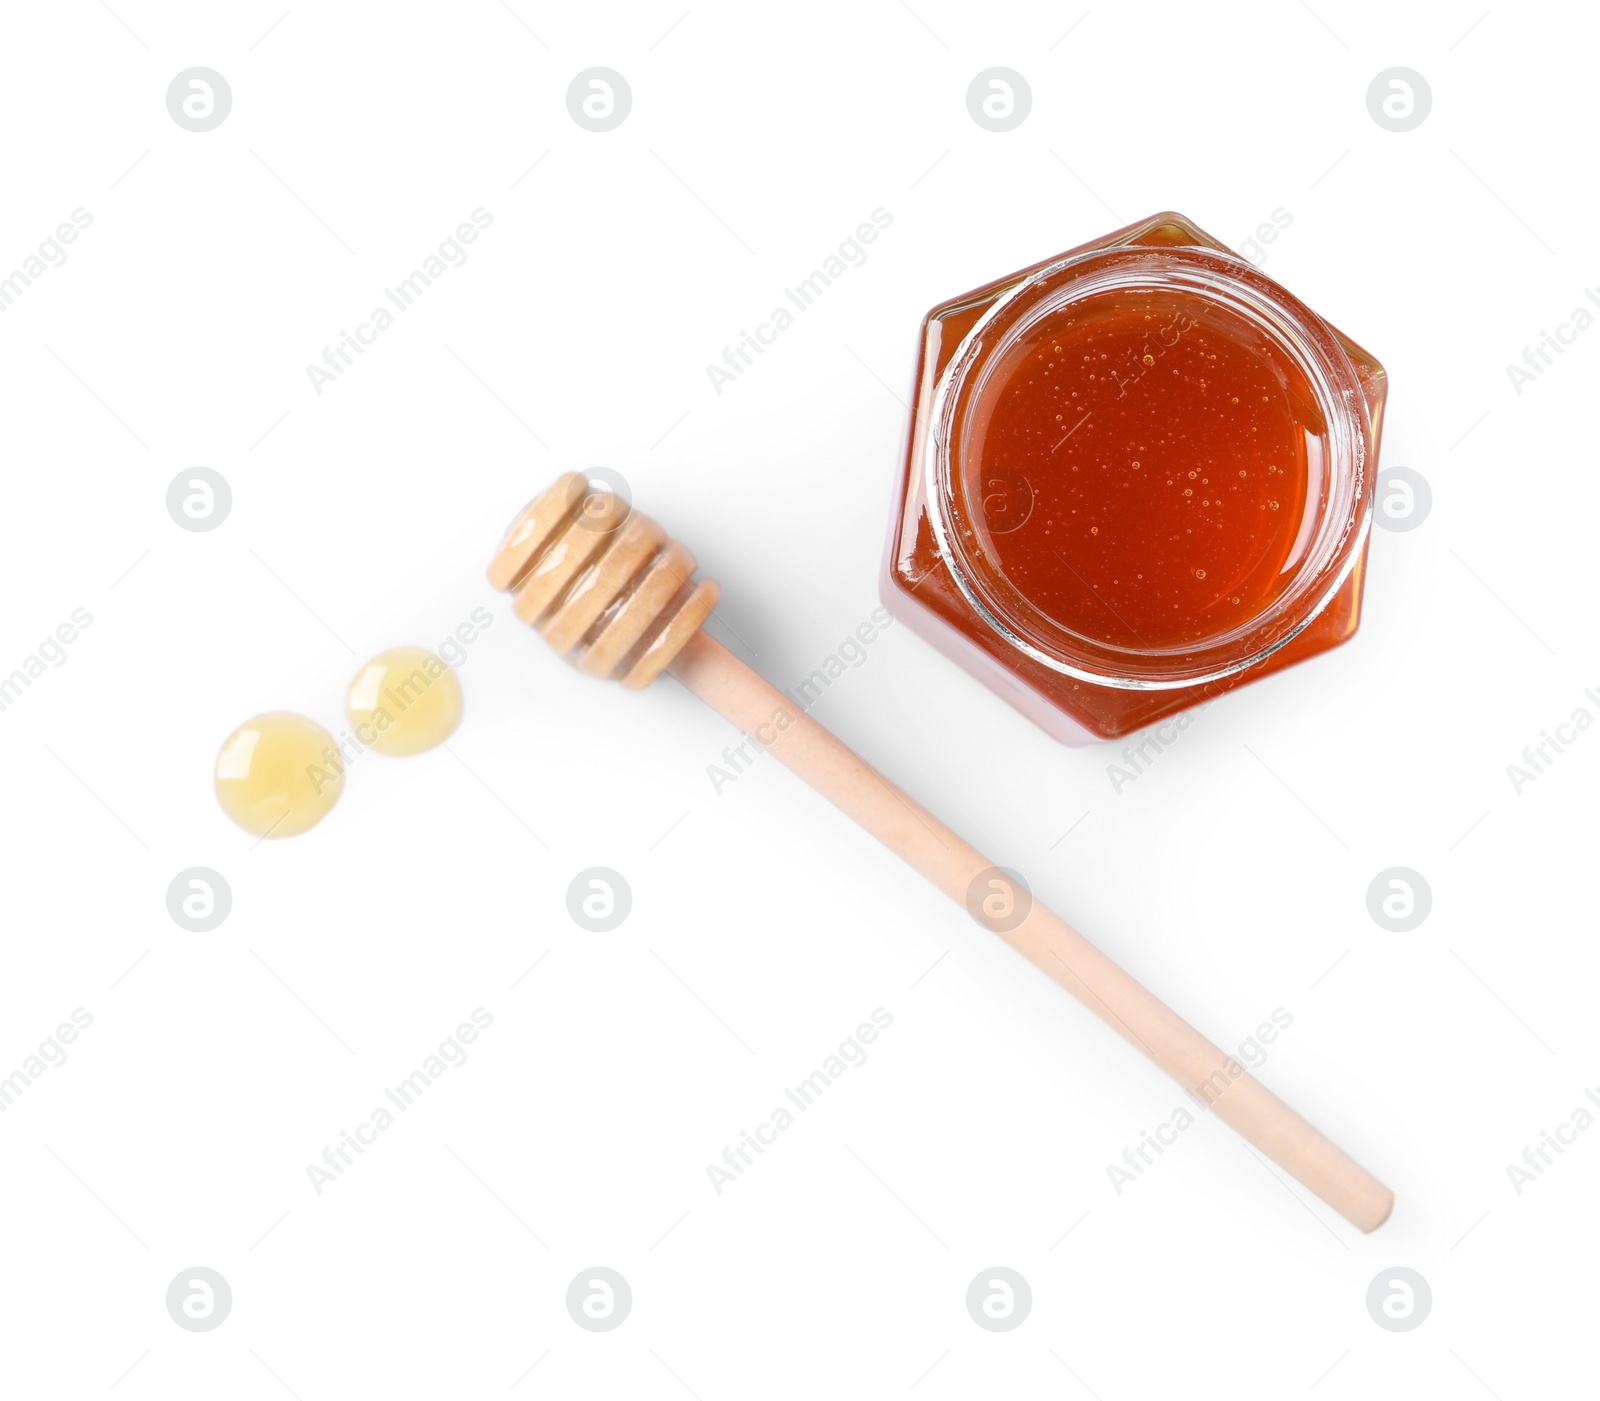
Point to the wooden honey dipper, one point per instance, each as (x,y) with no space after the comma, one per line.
(608,589)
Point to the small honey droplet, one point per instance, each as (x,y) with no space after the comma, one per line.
(278,774)
(1149,359)
(1199,574)
(404,701)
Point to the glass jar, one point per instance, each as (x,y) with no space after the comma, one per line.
(1137,475)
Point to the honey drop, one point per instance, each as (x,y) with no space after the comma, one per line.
(404,701)
(278,774)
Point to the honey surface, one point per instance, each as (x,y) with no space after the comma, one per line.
(278,774)
(1148,469)
(404,701)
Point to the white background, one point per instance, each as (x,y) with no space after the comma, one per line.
(978,1133)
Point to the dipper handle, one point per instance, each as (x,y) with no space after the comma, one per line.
(909,830)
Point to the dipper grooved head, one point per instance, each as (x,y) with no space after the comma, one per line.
(603,584)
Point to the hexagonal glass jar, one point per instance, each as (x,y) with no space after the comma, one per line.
(990,557)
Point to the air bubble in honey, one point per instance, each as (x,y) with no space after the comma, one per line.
(404,701)
(278,774)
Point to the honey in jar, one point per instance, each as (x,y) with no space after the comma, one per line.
(1138,475)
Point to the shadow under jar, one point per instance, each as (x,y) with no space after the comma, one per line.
(1138,475)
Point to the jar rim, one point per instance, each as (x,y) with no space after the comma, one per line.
(1221,279)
